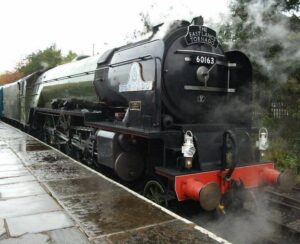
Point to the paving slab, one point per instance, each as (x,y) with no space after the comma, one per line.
(27,205)
(79,186)
(12,136)
(8,157)
(170,232)
(5,168)
(22,189)
(108,212)
(68,236)
(14,173)
(38,223)
(18,179)
(28,239)
(61,236)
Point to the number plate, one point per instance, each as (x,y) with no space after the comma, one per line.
(201,59)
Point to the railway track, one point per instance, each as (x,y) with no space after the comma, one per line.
(296,188)
(283,200)
(273,218)
(282,213)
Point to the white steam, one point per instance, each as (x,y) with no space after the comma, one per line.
(168,11)
(275,31)
(44,65)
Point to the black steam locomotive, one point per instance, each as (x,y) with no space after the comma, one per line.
(173,111)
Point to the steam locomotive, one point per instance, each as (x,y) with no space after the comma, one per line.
(173,111)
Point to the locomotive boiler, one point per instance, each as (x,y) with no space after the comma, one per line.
(172,112)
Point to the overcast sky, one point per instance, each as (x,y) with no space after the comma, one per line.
(29,25)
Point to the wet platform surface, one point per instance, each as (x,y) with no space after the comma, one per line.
(46,197)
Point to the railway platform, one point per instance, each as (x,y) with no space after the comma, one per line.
(47,197)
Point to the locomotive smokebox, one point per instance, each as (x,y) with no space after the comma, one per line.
(208,195)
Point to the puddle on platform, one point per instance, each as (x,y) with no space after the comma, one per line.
(36,147)
(80,186)
(26,144)
(114,211)
(41,157)
(173,231)
(30,147)
(51,158)
(59,171)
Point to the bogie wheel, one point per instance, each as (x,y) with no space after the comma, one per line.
(155,192)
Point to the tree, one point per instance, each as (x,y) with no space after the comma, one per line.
(43,59)
(69,57)
(9,77)
(47,58)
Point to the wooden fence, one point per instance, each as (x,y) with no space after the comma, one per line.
(280,110)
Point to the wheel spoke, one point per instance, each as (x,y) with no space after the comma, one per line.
(151,190)
(155,191)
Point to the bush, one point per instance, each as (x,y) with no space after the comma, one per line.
(281,151)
